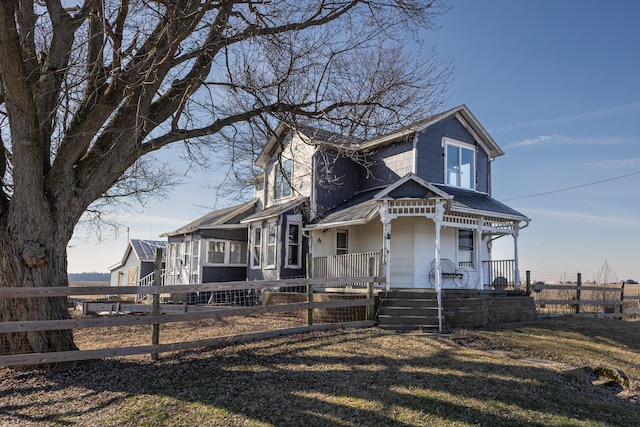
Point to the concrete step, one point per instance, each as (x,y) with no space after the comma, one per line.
(412,294)
(386,320)
(415,303)
(409,311)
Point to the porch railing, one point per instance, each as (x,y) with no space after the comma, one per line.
(499,274)
(348,265)
(148,281)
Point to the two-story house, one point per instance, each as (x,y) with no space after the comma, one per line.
(414,206)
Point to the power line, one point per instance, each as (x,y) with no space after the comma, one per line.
(574,187)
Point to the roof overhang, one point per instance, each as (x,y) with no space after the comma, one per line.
(464,116)
(489,214)
(220,223)
(272,211)
(338,224)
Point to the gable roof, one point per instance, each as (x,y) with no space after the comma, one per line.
(227,218)
(144,251)
(315,136)
(412,182)
(318,136)
(461,112)
(359,209)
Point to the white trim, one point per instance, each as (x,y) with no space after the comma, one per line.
(266,245)
(446,142)
(255,228)
(226,262)
(293,220)
(346,248)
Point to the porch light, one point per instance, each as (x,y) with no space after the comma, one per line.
(388,236)
(319,240)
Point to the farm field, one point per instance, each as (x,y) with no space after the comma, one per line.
(563,372)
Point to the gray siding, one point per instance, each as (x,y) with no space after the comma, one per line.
(341,184)
(237,235)
(223,274)
(381,174)
(430,156)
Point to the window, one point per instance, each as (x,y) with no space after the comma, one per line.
(216,251)
(284,175)
(465,248)
(237,253)
(195,261)
(226,252)
(293,245)
(342,242)
(460,165)
(256,259)
(271,245)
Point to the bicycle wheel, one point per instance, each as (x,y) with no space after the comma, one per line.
(432,277)
(461,278)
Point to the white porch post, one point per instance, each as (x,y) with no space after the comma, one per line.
(386,243)
(438,221)
(478,252)
(516,272)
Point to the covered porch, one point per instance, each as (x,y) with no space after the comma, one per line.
(419,235)
(498,274)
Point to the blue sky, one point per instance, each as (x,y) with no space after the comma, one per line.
(556,83)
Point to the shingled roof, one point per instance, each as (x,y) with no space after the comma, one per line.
(223,218)
(364,206)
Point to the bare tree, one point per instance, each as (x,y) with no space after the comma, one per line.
(605,277)
(89,91)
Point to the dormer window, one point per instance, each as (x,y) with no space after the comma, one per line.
(460,161)
(284,175)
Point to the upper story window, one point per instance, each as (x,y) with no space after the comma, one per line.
(283,177)
(461,165)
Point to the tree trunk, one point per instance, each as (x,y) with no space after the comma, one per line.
(33,264)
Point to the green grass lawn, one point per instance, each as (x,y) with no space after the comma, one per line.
(535,374)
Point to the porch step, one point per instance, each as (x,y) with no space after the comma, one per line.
(409,309)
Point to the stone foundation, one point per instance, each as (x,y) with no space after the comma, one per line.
(486,310)
(320,315)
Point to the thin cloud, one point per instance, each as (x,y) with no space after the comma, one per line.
(590,115)
(581,216)
(563,139)
(615,163)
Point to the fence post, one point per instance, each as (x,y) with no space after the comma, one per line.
(309,265)
(528,280)
(309,300)
(578,283)
(622,301)
(155,308)
(371,265)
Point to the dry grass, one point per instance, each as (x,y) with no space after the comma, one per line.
(525,375)
(139,335)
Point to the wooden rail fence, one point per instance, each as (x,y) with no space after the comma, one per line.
(163,314)
(612,301)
